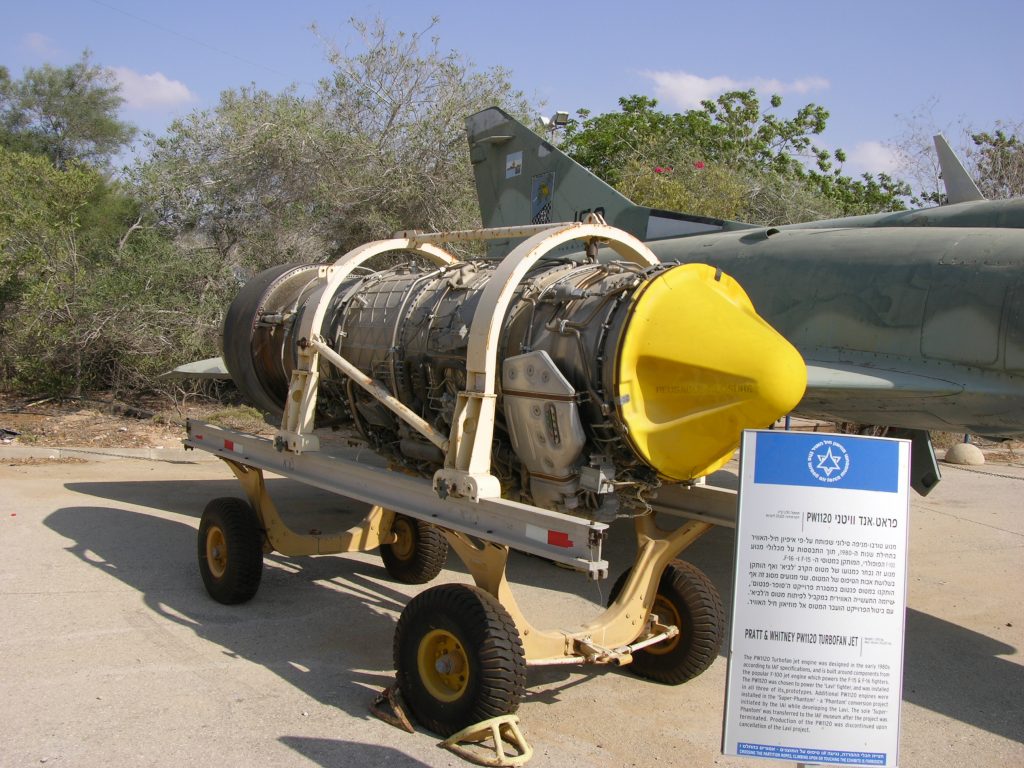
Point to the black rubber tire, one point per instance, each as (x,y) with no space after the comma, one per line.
(420,553)
(491,649)
(698,609)
(232,575)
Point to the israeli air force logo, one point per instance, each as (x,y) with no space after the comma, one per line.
(828,461)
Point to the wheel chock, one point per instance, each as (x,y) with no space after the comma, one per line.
(386,706)
(499,731)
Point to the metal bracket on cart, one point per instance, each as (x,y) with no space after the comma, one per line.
(509,523)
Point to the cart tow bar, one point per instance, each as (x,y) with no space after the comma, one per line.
(591,653)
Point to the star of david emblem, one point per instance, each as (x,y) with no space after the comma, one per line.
(828,462)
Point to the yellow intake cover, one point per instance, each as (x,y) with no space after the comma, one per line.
(696,366)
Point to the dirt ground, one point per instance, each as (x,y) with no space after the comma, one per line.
(100,421)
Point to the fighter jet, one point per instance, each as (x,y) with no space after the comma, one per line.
(530,401)
(912,320)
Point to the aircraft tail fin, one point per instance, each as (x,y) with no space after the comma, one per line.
(523,179)
(960,187)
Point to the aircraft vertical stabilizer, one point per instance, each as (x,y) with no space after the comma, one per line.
(960,187)
(521,178)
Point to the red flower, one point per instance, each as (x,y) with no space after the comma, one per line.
(699,165)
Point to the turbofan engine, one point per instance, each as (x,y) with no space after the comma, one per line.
(612,377)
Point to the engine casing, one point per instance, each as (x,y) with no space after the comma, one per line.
(568,435)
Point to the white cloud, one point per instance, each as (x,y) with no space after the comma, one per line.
(39,44)
(684,90)
(155,90)
(872,157)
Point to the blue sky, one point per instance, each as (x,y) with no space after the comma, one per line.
(868,62)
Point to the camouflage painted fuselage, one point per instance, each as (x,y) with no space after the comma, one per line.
(912,319)
(915,327)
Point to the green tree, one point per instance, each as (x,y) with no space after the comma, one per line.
(267,178)
(66,113)
(998,160)
(44,267)
(243,179)
(994,158)
(727,159)
(91,297)
(103,284)
(607,143)
(403,103)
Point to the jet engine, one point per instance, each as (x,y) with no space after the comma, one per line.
(613,377)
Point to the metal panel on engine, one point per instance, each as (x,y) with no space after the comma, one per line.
(544,423)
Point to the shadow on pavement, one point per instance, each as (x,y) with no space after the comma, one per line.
(314,621)
(330,615)
(332,753)
(958,673)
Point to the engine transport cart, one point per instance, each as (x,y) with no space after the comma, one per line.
(461,653)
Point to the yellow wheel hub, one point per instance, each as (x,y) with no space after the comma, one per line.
(404,546)
(216,551)
(667,614)
(442,665)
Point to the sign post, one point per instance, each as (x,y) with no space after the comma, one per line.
(816,645)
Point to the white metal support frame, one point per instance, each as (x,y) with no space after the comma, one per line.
(467,469)
(300,405)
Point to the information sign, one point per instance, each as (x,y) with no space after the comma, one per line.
(816,644)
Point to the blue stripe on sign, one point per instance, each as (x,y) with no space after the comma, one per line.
(817,756)
(827,461)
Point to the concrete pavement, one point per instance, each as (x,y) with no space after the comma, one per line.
(111,652)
